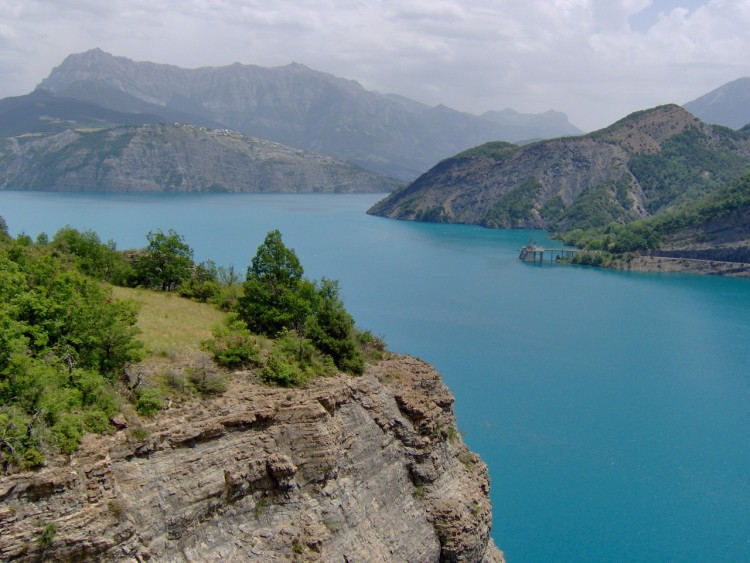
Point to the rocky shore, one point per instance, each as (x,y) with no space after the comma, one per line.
(683,265)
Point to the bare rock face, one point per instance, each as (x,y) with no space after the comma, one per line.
(163,157)
(351,469)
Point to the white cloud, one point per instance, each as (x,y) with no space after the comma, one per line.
(585,57)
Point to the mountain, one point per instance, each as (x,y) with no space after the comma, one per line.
(525,127)
(171,157)
(641,165)
(42,112)
(297,106)
(728,105)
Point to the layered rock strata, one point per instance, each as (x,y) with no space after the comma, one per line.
(350,469)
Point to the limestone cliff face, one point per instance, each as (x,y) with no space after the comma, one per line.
(166,157)
(351,469)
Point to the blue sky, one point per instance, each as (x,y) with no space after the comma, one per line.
(596,60)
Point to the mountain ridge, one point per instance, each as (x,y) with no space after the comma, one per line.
(727,105)
(296,106)
(638,166)
(173,157)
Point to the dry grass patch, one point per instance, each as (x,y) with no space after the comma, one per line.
(171,325)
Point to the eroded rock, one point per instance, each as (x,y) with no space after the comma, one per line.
(357,469)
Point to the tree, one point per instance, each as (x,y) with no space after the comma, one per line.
(93,257)
(167,261)
(275,265)
(331,329)
(275,294)
(278,299)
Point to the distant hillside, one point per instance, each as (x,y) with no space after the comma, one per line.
(710,235)
(728,105)
(177,158)
(716,227)
(297,106)
(641,165)
(41,112)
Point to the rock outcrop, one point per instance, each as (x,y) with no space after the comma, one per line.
(350,469)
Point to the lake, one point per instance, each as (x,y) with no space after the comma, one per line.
(612,408)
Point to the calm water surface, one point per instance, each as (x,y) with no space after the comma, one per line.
(611,408)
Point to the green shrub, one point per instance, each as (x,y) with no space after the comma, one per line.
(372,346)
(227,297)
(233,345)
(331,330)
(33,458)
(47,535)
(175,381)
(138,433)
(282,371)
(205,380)
(67,431)
(96,421)
(148,402)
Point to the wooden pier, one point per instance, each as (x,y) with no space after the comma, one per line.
(534,253)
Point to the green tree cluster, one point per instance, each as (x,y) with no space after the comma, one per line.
(93,257)
(166,263)
(278,300)
(65,342)
(63,345)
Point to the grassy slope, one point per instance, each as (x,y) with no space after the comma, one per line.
(169,323)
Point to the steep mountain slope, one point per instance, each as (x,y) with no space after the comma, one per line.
(296,106)
(728,105)
(641,165)
(170,157)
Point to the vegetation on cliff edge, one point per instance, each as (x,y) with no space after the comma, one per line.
(73,358)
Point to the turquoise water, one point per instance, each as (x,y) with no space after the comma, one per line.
(611,408)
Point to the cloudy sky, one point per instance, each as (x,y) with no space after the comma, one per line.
(595,60)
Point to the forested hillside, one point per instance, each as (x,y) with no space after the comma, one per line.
(642,165)
(714,227)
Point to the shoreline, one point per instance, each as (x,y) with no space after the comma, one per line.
(682,265)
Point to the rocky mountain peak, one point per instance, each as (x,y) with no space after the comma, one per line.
(641,165)
(646,130)
(296,106)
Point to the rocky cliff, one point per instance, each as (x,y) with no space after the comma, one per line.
(639,166)
(173,158)
(297,106)
(350,469)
